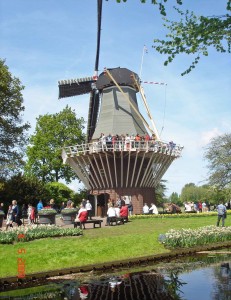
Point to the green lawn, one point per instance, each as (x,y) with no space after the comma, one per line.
(134,239)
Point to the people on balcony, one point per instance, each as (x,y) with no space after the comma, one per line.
(131,142)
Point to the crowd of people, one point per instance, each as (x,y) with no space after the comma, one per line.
(17,215)
(119,209)
(128,142)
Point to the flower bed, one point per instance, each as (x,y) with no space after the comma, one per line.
(181,215)
(25,234)
(186,238)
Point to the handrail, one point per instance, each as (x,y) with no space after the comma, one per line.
(123,146)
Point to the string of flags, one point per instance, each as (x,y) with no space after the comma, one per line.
(153,82)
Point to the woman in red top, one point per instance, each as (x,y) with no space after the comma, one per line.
(82,216)
(124,212)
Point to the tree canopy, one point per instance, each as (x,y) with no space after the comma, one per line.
(12,130)
(52,133)
(218,154)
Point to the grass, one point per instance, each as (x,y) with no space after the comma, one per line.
(134,239)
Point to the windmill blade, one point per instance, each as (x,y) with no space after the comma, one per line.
(93,113)
(95,95)
(75,87)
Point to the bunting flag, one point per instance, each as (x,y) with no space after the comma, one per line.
(153,82)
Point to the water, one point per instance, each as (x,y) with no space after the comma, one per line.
(201,277)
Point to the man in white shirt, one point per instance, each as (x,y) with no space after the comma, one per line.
(89,209)
(110,214)
(153,209)
(117,211)
(145,209)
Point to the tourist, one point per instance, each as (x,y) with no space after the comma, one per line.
(187,207)
(118,202)
(102,140)
(63,205)
(127,142)
(109,142)
(145,209)
(110,214)
(195,207)
(31,214)
(130,208)
(69,203)
(52,203)
(89,209)
(82,216)
(117,211)
(16,213)
(84,201)
(109,203)
(39,205)
(153,209)
(123,201)
(221,214)
(200,206)
(124,212)
(204,207)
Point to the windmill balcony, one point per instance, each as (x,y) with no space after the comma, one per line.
(121,146)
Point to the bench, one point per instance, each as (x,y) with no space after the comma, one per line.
(116,220)
(94,222)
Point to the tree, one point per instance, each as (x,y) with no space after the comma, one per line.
(193,34)
(218,154)
(59,191)
(160,193)
(12,130)
(52,133)
(175,198)
(23,189)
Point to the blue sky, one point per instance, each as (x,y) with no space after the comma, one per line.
(48,40)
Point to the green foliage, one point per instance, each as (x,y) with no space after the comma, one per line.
(83,193)
(194,35)
(175,198)
(218,154)
(12,131)
(23,189)
(59,191)
(53,131)
(160,193)
(159,4)
(193,193)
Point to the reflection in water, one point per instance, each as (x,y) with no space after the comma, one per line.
(211,283)
(179,280)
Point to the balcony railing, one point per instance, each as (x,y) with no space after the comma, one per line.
(121,146)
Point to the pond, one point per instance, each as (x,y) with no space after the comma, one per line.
(201,277)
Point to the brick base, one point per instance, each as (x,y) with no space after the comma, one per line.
(138,196)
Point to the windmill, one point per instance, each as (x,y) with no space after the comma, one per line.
(117,167)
